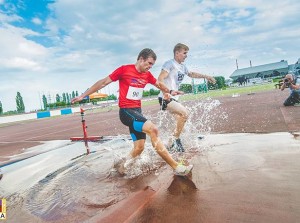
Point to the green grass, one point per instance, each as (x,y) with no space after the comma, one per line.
(231,91)
(221,93)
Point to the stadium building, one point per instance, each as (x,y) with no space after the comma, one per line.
(271,70)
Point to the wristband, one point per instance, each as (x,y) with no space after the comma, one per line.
(170,91)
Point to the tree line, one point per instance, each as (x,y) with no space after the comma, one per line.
(65,98)
(60,101)
(19,104)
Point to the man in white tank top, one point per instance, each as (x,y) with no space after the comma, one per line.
(172,74)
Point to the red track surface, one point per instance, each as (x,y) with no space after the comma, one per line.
(255,113)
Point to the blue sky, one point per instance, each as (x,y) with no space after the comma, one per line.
(49,47)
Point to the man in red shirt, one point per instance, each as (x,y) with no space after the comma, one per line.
(132,80)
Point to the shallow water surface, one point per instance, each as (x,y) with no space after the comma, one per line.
(65,185)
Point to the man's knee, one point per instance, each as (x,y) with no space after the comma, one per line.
(153,130)
(183,115)
(138,149)
(150,129)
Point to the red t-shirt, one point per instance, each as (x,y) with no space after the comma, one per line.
(131,85)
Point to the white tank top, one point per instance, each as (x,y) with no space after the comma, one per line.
(176,73)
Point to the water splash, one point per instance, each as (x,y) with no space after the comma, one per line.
(204,114)
(63,182)
(144,164)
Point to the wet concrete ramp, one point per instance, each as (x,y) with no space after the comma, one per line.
(244,178)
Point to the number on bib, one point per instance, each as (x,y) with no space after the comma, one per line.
(134,93)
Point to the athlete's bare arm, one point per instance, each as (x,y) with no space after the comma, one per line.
(167,92)
(163,74)
(198,75)
(161,86)
(95,87)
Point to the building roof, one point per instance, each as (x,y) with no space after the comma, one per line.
(261,68)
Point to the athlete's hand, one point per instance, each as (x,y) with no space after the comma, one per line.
(167,96)
(211,79)
(173,93)
(76,99)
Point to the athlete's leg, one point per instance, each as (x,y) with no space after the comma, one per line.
(150,129)
(134,120)
(181,114)
(138,147)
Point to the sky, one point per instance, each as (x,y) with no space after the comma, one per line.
(55,46)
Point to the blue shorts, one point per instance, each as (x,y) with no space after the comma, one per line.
(133,118)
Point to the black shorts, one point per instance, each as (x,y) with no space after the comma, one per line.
(133,118)
(164,103)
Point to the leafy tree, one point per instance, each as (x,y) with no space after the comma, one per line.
(57,98)
(73,94)
(186,88)
(153,92)
(20,103)
(220,83)
(76,94)
(68,98)
(150,92)
(45,103)
(112,97)
(1,109)
(64,97)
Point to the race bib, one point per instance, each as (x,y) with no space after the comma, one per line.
(180,77)
(134,93)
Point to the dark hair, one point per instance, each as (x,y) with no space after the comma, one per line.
(180,46)
(146,53)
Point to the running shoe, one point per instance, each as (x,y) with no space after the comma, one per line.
(182,170)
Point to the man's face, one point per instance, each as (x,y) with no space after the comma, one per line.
(181,55)
(289,77)
(146,65)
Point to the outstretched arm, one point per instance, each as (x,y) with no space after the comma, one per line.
(198,75)
(95,87)
(167,92)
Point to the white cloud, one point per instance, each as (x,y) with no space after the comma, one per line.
(37,21)
(20,63)
(243,13)
(88,39)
